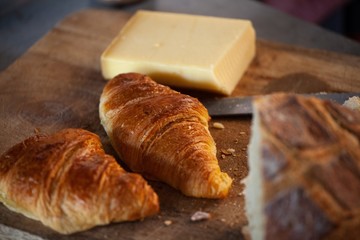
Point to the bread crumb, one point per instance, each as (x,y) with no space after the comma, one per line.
(229,151)
(242,133)
(353,103)
(199,216)
(218,125)
(167,222)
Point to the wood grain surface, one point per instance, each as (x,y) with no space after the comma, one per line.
(57,84)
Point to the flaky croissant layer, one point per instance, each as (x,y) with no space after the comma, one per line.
(66,181)
(163,135)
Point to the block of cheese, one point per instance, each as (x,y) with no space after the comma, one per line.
(198,52)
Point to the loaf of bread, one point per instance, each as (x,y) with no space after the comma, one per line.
(67,182)
(304,169)
(163,135)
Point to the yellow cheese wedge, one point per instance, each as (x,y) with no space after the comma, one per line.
(181,50)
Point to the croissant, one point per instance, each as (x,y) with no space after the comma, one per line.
(66,181)
(304,176)
(163,135)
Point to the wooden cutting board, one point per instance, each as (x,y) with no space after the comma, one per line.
(57,83)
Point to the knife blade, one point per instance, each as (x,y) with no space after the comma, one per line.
(233,106)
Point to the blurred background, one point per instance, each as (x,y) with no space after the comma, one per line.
(298,22)
(341,16)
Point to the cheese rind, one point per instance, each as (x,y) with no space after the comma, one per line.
(181,50)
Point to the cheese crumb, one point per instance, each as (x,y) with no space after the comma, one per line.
(218,125)
(167,222)
(199,216)
(353,103)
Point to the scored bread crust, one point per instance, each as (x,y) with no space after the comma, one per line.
(163,135)
(304,169)
(67,182)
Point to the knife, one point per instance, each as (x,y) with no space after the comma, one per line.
(234,106)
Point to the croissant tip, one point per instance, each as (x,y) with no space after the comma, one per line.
(218,187)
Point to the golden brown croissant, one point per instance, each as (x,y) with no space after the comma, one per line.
(163,135)
(66,181)
(304,178)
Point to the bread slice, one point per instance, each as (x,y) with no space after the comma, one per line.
(304,169)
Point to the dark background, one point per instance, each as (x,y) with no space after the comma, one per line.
(340,16)
(331,25)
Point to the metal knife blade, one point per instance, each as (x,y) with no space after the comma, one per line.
(233,106)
